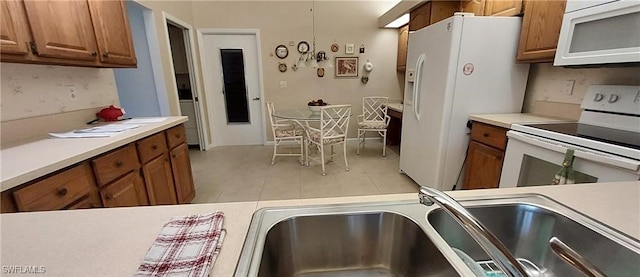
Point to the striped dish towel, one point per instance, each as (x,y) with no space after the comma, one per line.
(186,246)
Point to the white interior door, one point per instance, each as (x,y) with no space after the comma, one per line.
(232,87)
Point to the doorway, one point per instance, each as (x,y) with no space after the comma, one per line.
(233,85)
(180,42)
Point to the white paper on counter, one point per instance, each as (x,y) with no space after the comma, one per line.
(97,132)
(143,120)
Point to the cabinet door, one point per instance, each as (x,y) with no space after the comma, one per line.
(91,201)
(419,18)
(473,6)
(442,10)
(14,33)
(182,176)
(127,191)
(159,181)
(62,29)
(403,40)
(484,164)
(113,34)
(540,30)
(503,7)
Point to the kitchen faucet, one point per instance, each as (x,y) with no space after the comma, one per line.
(487,240)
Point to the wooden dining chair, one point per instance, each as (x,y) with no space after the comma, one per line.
(374,118)
(334,126)
(285,130)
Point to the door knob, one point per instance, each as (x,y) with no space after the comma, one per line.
(257,98)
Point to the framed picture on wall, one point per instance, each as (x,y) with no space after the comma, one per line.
(346,66)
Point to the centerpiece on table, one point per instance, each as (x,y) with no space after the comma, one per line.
(316,105)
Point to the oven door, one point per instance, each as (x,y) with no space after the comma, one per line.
(534,161)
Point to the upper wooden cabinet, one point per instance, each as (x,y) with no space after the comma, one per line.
(492,7)
(80,33)
(431,12)
(403,44)
(112,32)
(503,8)
(14,35)
(540,30)
(62,29)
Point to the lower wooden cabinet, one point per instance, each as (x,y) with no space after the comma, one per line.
(127,191)
(485,156)
(484,164)
(58,191)
(158,179)
(155,170)
(182,176)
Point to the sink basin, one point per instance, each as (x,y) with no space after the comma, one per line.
(380,239)
(525,228)
(405,238)
(365,244)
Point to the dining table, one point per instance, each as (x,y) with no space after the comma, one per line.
(301,116)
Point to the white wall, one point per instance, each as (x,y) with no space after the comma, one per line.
(137,86)
(338,22)
(37,99)
(546,83)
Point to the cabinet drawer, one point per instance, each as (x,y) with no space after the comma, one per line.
(57,191)
(151,147)
(176,136)
(490,135)
(115,164)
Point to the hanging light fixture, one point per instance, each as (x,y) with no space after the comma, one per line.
(311,58)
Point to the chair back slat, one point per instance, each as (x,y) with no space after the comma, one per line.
(270,109)
(334,120)
(374,108)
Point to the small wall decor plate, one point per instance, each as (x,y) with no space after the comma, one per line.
(320,72)
(282,67)
(335,47)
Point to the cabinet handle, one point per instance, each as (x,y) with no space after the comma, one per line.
(486,135)
(108,197)
(62,191)
(177,136)
(94,53)
(119,163)
(154,147)
(173,155)
(105,54)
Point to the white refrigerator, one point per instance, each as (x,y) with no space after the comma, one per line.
(459,66)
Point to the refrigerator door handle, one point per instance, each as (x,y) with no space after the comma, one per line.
(416,86)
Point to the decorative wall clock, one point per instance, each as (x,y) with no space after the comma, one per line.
(282,51)
(303,47)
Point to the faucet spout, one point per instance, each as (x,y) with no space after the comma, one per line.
(485,238)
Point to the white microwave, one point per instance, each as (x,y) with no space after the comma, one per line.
(599,33)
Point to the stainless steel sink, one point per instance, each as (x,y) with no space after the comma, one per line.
(373,239)
(365,244)
(525,227)
(405,238)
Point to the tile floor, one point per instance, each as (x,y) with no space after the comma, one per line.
(245,173)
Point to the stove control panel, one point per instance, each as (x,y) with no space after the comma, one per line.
(615,99)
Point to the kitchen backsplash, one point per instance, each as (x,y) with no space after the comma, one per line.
(37,90)
(546,86)
(37,99)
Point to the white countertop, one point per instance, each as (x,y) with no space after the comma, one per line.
(40,156)
(398,107)
(113,241)
(505,120)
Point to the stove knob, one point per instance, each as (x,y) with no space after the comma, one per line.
(598,97)
(613,98)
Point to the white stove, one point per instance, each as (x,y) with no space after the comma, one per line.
(606,140)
